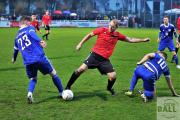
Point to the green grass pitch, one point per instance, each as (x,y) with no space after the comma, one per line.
(91,101)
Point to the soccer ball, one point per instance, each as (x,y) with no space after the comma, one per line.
(67,95)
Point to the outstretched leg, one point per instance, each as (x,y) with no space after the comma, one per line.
(75,75)
(133,81)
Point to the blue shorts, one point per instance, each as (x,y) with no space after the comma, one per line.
(169,45)
(147,76)
(44,66)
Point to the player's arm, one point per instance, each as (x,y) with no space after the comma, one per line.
(160,32)
(15,54)
(175,35)
(136,40)
(145,58)
(38,27)
(170,85)
(159,36)
(87,37)
(43,19)
(33,34)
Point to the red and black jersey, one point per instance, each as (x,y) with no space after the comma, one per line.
(35,23)
(106,41)
(178,25)
(46,19)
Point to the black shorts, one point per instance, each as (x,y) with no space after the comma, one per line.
(179,38)
(96,61)
(47,27)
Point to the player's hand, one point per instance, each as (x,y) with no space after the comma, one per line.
(177,42)
(13,61)
(146,39)
(176,95)
(138,63)
(78,47)
(43,43)
(158,40)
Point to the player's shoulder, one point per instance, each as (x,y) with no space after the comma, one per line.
(157,55)
(162,25)
(101,29)
(171,25)
(31,28)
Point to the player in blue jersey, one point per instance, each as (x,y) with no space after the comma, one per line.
(149,69)
(165,39)
(31,48)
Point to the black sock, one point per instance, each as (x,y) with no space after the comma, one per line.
(176,50)
(44,35)
(110,84)
(47,36)
(73,78)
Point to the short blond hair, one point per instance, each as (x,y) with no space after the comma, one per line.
(116,22)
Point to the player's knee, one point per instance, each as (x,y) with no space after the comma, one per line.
(112,76)
(80,70)
(149,94)
(53,73)
(33,78)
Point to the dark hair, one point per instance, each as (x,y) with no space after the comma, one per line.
(25,18)
(164,54)
(166,17)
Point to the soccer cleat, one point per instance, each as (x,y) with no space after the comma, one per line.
(129,93)
(30,98)
(60,95)
(144,98)
(140,92)
(178,66)
(111,91)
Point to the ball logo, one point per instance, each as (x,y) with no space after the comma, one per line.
(168,109)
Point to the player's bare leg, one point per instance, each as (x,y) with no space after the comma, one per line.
(75,75)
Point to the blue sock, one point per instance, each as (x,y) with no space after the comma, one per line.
(32,84)
(175,57)
(57,83)
(133,82)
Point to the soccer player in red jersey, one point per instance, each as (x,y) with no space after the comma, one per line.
(35,23)
(178,27)
(46,20)
(102,50)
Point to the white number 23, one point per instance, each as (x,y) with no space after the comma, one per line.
(24,41)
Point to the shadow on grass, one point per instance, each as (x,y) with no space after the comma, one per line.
(61,57)
(11,68)
(87,95)
(47,99)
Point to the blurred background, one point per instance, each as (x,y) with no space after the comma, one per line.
(130,13)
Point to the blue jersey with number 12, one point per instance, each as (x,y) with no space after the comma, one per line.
(158,65)
(28,43)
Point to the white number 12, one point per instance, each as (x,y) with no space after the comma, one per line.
(162,63)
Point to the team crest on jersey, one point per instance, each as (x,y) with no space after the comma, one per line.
(169,30)
(166,33)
